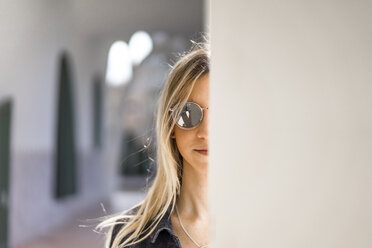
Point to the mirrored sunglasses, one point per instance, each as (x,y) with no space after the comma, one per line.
(190,117)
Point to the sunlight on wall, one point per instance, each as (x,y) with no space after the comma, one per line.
(122,57)
(140,46)
(119,65)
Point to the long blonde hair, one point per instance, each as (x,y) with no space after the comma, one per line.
(162,195)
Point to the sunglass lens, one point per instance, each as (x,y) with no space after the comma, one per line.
(190,116)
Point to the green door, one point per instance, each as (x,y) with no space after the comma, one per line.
(66,158)
(97,114)
(5,116)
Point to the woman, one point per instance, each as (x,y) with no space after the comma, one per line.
(175,210)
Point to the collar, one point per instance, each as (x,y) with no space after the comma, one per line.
(165,224)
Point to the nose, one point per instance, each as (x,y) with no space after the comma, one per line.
(202,132)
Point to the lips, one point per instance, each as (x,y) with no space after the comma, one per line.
(202,151)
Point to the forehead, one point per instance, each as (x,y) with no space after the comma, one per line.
(200,92)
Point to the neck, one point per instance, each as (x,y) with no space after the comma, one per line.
(193,199)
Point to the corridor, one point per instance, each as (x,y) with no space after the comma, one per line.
(79,232)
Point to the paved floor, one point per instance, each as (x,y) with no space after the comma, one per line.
(78,233)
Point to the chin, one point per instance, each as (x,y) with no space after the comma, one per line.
(199,163)
(202,164)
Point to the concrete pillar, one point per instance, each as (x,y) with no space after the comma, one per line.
(291,118)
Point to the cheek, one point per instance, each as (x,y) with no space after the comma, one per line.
(183,141)
(180,141)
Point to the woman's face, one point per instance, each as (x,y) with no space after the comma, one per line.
(193,144)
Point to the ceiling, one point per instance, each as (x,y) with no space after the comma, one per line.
(101,17)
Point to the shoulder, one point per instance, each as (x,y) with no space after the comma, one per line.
(162,236)
(121,224)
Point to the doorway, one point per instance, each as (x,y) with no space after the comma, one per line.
(66,173)
(5,125)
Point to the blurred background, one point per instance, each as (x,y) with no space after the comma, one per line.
(291,136)
(79,83)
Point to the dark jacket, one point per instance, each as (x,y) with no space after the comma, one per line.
(162,237)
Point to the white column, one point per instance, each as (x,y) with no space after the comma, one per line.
(291,124)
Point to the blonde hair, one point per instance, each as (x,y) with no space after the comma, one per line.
(140,221)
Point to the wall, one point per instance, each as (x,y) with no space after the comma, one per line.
(33,35)
(291,139)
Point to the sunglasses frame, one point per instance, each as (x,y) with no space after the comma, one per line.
(201,117)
